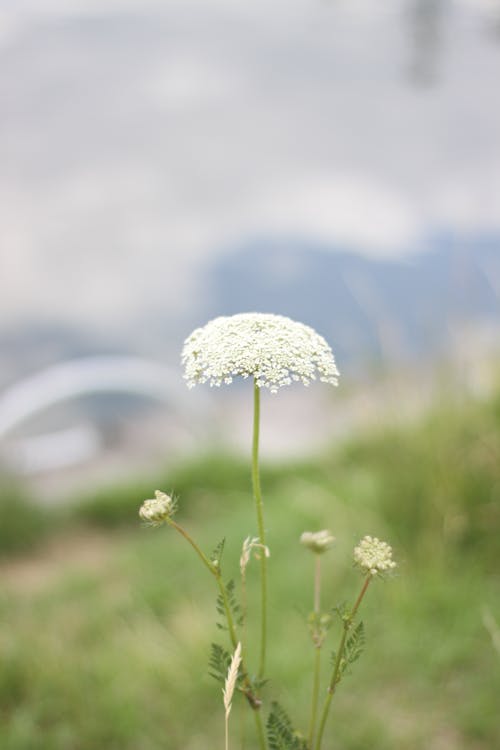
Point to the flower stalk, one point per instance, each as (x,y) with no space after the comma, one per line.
(348,620)
(248,688)
(318,542)
(259,506)
(317,641)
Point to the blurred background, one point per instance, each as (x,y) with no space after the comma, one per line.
(168,161)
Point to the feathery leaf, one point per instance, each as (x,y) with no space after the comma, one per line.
(280,732)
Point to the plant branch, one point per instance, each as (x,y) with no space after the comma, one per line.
(196,548)
(259,505)
(215,571)
(317,651)
(336,668)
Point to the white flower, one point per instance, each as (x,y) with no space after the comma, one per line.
(373,556)
(317,541)
(156,511)
(273,349)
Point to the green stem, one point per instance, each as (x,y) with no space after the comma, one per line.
(317,584)
(193,544)
(215,571)
(315,695)
(317,652)
(260,729)
(227,611)
(336,669)
(244,608)
(259,505)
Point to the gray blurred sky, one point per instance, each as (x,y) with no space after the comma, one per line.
(137,138)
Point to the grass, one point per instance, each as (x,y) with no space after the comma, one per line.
(114,654)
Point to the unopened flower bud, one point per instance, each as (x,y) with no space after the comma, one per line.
(317,541)
(156,511)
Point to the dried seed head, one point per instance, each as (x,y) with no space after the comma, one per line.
(251,543)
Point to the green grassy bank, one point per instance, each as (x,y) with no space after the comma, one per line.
(106,626)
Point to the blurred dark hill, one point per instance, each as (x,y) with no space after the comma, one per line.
(388,310)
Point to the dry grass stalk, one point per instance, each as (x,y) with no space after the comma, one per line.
(230,685)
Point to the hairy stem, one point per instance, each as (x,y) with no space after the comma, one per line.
(215,571)
(315,695)
(193,544)
(259,505)
(336,668)
(317,652)
(244,608)
(227,611)
(253,700)
(317,584)
(260,730)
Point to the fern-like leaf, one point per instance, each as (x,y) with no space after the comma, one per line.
(353,649)
(216,556)
(355,644)
(341,610)
(233,605)
(219,662)
(280,732)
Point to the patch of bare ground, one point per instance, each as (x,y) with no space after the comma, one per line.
(87,551)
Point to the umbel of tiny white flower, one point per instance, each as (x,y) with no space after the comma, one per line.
(157,510)
(273,349)
(317,541)
(373,556)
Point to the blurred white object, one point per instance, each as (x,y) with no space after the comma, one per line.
(54,450)
(90,375)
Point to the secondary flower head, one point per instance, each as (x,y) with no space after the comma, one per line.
(373,556)
(273,349)
(317,541)
(156,511)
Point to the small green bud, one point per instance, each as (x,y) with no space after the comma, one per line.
(325,621)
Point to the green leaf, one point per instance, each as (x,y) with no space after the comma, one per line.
(280,732)
(216,556)
(353,649)
(341,610)
(355,644)
(219,662)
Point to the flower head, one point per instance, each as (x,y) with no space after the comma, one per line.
(273,349)
(373,556)
(156,511)
(317,541)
